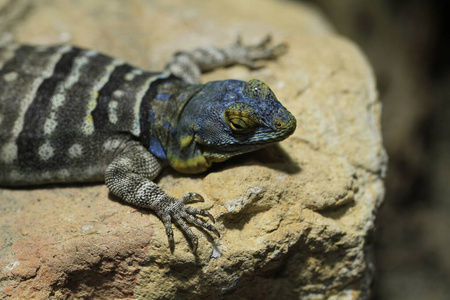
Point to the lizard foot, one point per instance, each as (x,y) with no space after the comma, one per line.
(251,55)
(181,214)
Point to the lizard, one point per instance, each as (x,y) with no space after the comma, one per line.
(69,114)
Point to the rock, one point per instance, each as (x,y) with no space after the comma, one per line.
(296,219)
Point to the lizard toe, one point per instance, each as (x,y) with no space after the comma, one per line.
(186,230)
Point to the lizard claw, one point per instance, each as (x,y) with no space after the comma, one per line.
(216,232)
(182,215)
(210,216)
(198,197)
(191,197)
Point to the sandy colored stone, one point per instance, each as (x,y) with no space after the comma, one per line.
(295,219)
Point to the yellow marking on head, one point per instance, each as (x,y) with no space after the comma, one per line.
(242,117)
(257,89)
(239,109)
(95,95)
(186,141)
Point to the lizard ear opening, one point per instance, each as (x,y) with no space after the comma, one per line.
(239,117)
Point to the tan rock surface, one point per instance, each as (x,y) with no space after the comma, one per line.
(295,219)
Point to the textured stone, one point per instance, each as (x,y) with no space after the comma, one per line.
(296,219)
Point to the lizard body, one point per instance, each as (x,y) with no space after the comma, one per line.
(74,115)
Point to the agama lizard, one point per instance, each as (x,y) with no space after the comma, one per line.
(74,115)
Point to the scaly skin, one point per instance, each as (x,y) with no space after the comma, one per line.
(74,115)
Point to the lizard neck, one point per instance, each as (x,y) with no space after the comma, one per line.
(160,112)
(185,155)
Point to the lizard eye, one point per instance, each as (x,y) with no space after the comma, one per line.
(239,118)
(238,125)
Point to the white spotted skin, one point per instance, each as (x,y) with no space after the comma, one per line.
(8,153)
(118,94)
(64,144)
(50,123)
(129,76)
(8,147)
(75,151)
(75,74)
(11,76)
(88,125)
(111,144)
(112,112)
(58,100)
(64,174)
(46,151)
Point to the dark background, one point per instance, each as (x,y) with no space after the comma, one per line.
(408,45)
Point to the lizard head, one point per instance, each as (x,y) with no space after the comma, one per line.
(227,118)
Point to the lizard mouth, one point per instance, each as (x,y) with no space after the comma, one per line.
(237,146)
(219,153)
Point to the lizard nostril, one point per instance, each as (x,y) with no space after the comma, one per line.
(278,124)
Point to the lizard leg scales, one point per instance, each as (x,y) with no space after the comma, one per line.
(189,65)
(129,177)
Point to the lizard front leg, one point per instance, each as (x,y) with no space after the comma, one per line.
(129,177)
(189,65)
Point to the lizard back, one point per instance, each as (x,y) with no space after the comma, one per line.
(65,111)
